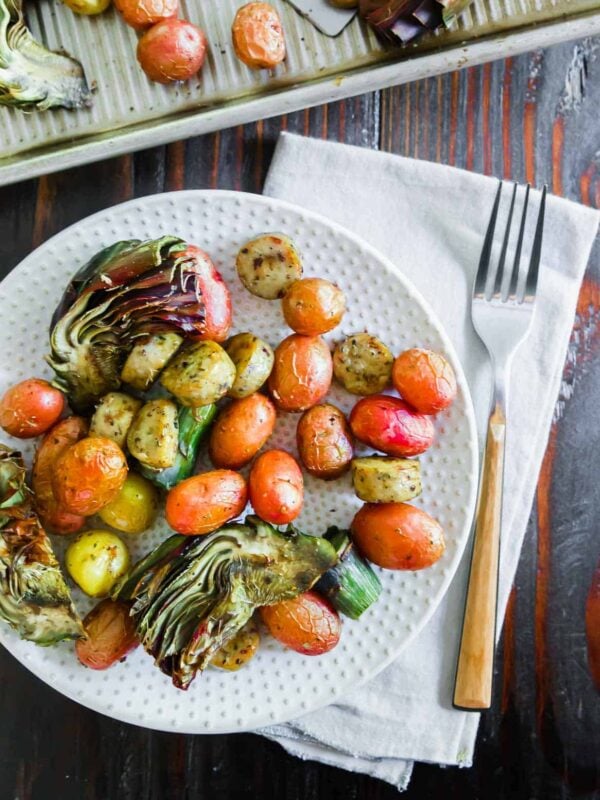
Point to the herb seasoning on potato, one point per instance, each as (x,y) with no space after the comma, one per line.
(362,364)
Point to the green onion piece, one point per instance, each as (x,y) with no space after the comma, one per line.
(351,586)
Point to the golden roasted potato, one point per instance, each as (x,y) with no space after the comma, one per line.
(113,417)
(200,374)
(382,479)
(253,361)
(268,265)
(147,358)
(240,650)
(154,435)
(362,364)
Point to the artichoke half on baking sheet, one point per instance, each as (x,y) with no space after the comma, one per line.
(31,76)
(34,598)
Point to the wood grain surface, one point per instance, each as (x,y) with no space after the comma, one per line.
(536,118)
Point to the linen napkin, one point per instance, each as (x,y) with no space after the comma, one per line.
(431,220)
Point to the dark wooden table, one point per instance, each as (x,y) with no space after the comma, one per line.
(535,118)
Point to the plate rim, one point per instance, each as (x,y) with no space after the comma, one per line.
(463,537)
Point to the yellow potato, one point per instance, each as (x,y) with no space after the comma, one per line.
(134,509)
(147,359)
(113,417)
(154,435)
(200,374)
(268,265)
(96,560)
(362,364)
(240,650)
(253,360)
(87,7)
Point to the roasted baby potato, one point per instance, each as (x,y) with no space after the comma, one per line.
(257,34)
(425,380)
(134,509)
(240,650)
(301,375)
(398,536)
(268,265)
(379,479)
(362,364)
(56,442)
(201,374)
(240,430)
(205,502)
(88,475)
(253,361)
(324,441)
(109,635)
(113,417)
(307,624)
(276,487)
(389,424)
(147,358)
(87,7)
(154,435)
(313,306)
(96,560)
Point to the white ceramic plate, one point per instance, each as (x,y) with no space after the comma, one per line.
(278,684)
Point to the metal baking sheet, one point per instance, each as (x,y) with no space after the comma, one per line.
(130,113)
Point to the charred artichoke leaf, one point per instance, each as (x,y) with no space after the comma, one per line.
(126,291)
(196,595)
(34,598)
(32,76)
(402,21)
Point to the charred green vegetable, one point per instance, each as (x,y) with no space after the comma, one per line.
(350,585)
(126,291)
(401,21)
(32,76)
(34,598)
(194,424)
(193,594)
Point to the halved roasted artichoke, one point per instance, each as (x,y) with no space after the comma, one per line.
(126,291)
(193,594)
(32,76)
(401,21)
(34,598)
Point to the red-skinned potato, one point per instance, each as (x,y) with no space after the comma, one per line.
(324,441)
(58,439)
(391,425)
(276,487)
(240,430)
(205,502)
(215,296)
(88,475)
(110,635)
(257,34)
(30,408)
(172,50)
(143,13)
(301,374)
(312,306)
(398,536)
(307,624)
(425,380)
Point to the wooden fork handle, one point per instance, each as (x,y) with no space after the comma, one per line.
(473,687)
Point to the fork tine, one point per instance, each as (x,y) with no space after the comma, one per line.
(514,278)
(484,261)
(536,253)
(500,269)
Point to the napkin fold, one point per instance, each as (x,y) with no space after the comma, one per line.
(430,220)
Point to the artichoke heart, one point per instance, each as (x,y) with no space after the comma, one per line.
(34,598)
(32,76)
(193,594)
(127,291)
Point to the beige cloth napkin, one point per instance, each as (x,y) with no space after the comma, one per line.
(434,218)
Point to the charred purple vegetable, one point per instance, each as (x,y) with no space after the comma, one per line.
(127,292)
(401,21)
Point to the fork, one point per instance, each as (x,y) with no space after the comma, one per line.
(502,309)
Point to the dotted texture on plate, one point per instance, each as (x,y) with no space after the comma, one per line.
(278,684)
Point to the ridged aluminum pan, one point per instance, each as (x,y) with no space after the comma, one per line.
(127,105)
